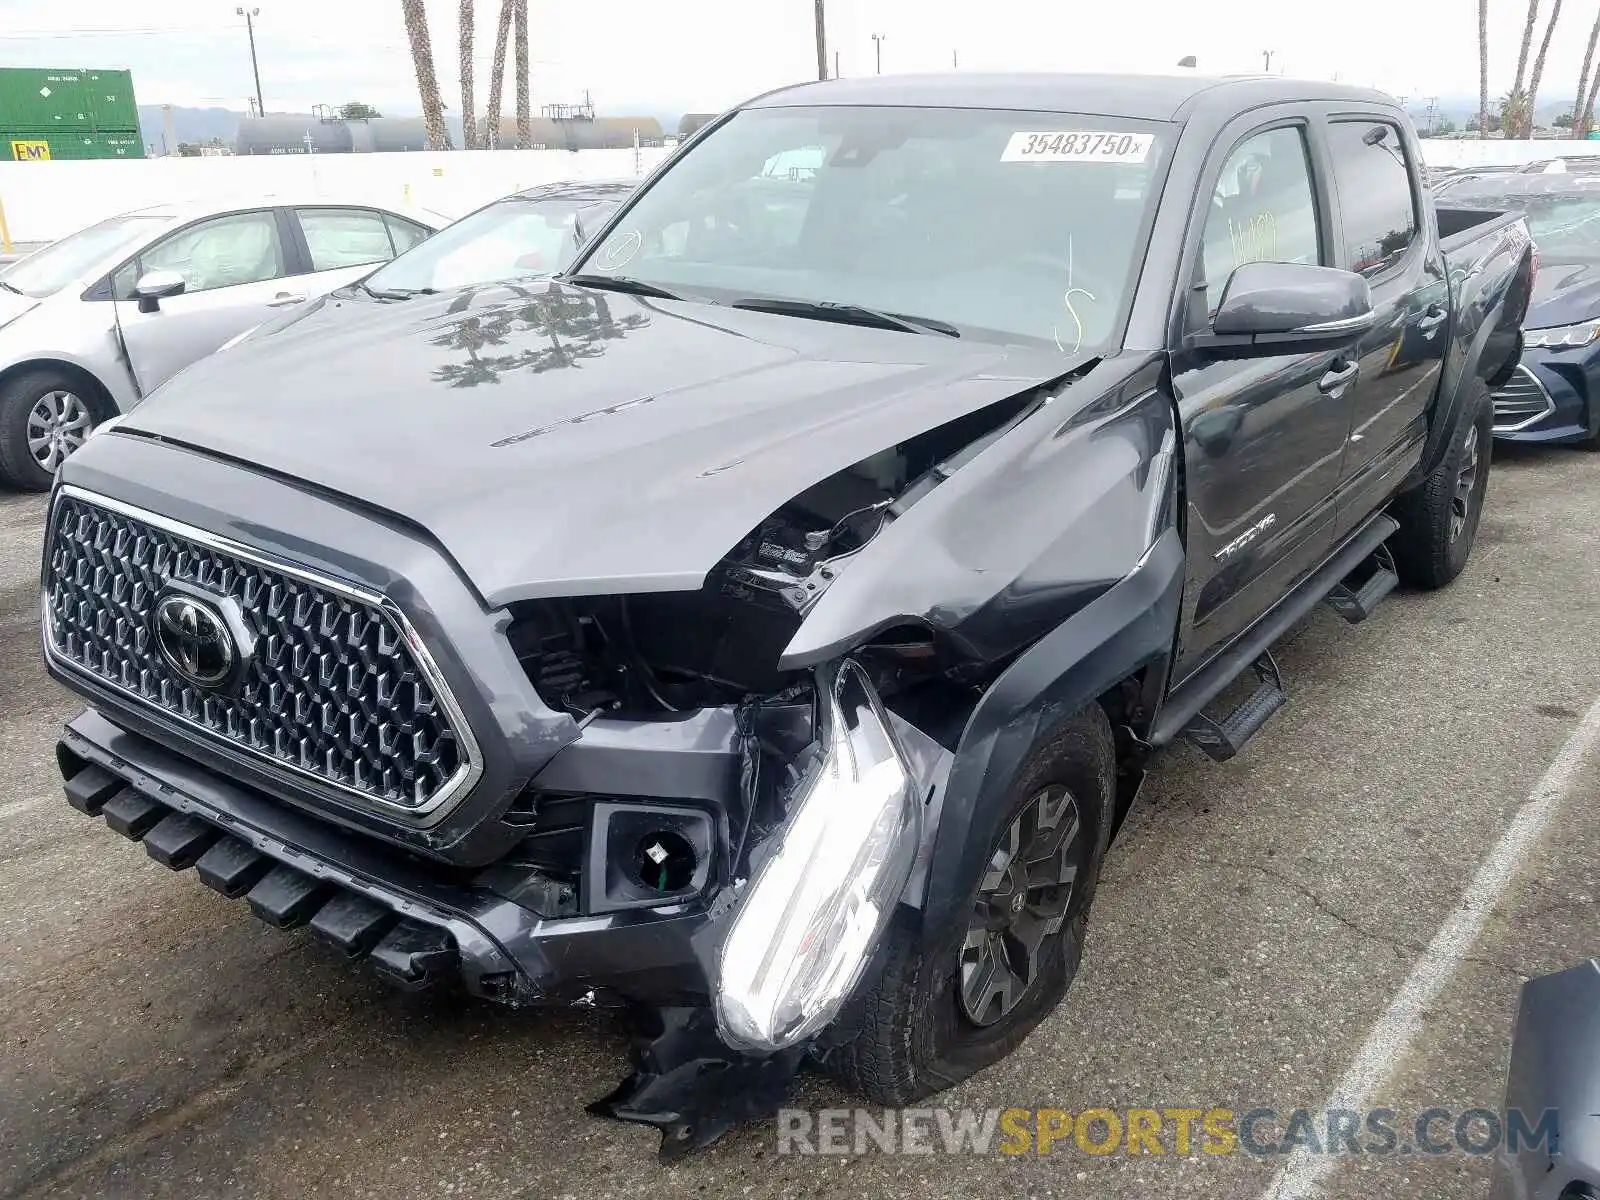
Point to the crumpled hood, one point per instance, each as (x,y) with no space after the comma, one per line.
(561,441)
(1564,293)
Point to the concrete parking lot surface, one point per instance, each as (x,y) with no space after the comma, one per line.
(1255,922)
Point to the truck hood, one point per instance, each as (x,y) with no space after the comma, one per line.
(562,441)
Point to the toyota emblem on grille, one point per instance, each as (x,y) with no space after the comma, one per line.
(195,641)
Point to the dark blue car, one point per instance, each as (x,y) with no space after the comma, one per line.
(1554,396)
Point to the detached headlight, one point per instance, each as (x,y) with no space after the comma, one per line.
(816,908)
(1562,337)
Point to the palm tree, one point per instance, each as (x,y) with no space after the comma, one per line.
(1483,68)
(524,115)
(1522,55)
(1583,117)
(416,18)
(469,123)
(497,73)
(1538,71)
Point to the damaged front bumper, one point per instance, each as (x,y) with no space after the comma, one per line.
(729,981)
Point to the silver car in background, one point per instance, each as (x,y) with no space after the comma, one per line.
(92,324)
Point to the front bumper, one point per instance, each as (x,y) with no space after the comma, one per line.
(416,923)
(1546,399)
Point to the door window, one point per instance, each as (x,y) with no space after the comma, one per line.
(406,234)
(220,252)
(344,237)
(1376,207)
(1262,210)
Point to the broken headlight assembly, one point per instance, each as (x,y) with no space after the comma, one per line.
(815,908)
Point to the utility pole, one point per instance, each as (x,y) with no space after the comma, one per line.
(955,60)
(822,44)
(836,64)
(1433,103)
(877,48)
(250,16)
(1266,60)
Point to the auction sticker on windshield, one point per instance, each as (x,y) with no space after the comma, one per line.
(1056,146)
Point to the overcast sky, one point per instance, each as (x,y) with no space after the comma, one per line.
(667,56)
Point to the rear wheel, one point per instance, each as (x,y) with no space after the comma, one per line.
(944,1007)
(44,417)
(1439,518)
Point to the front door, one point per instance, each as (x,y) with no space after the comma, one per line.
(1263,438)
(234,269)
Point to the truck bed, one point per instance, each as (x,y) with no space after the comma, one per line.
(1459,227)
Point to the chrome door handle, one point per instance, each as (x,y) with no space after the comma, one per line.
(1338,378)
(284,299)
(1433,317)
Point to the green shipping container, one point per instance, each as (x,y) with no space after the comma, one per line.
(110,97)
(68,145)
(46,98)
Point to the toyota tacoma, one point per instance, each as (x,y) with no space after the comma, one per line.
(764,626)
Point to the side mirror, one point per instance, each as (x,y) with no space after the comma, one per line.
(1287,308)
(155,286)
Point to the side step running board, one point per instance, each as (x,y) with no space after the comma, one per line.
(1364,589)
(1221,740)
(1203,686)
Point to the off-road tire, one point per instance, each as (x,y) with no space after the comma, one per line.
(911,1036)
(1427,554)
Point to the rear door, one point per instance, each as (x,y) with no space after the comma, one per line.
(1263,438)
(234,266)
(341,244)
(1381,227)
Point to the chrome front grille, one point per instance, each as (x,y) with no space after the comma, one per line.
(334,684)
(1521,402)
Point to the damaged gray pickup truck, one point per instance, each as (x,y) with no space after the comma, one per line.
(764,626)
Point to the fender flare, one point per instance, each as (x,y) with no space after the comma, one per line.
(1441,432)
(1131,626)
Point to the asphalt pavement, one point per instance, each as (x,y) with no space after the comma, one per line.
(1256,924)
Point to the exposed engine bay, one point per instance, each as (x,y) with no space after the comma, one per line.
(664,652)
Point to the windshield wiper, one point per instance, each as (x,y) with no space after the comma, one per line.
(848,314)
(396,293)
(621,283)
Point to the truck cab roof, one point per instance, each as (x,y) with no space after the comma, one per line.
(1173,98)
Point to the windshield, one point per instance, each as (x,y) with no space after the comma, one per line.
(49,270)
(1010,225)
(511,238)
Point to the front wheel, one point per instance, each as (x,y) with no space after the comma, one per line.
(1439,517)
(943,1007)
(44,417)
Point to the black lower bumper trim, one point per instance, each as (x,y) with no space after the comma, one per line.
(232,868)
(132,814)
(90,788)
(288,898)
(352,924)
(414,956)
(178,840)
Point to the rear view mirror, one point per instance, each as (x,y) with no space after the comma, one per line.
(155,286)
(1287,308)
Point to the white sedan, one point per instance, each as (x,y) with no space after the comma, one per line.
(93,323)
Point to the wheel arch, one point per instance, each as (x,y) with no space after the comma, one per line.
(102,404)
(1123,638)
